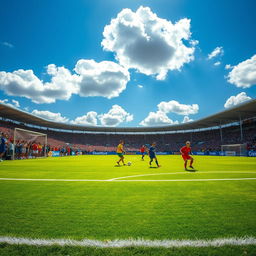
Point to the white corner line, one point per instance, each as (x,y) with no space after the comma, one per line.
(118,243)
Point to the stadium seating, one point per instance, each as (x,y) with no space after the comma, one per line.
(204,140)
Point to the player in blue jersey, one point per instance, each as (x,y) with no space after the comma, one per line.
(152,154)
(2,146)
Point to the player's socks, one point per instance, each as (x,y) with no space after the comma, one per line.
(157,163)
(185,165)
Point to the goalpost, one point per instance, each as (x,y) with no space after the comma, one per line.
(234,149)
(27,137)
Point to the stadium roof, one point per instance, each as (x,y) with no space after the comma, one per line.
(231,115)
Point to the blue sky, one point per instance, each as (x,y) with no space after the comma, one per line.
(34,34)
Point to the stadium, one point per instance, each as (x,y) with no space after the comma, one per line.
(127,127)
(72,194)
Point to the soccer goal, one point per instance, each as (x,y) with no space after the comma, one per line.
(234,149)
(29,144)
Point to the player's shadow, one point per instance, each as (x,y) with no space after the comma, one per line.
(117,165)
(154,167)
(191,170)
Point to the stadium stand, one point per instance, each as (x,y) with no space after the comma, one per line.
(235,125)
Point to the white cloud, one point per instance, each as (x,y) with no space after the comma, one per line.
(157,119)
(186,119)
(235,100)
(88,119)
(218,51)
(140,86)
(175,107)
(26,84)
(51,116)
(217,63)
(106,79)
(7,44)
(115,116)
(12,103)
(228,66)
(244,74)
(150,44)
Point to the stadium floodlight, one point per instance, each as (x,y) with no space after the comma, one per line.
(29,137)
(234,149)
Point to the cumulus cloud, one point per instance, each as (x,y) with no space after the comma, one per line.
(88,119)
(160,116)
(178,108)
(147,43)
(244,74)
(26,84)
(235,100)
(115,116)
(140,86)
(51,116)
(186,119)
(105,79)
(12,103)
(157,119)
(218,51)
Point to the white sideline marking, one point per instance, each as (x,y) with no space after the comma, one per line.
(131,242)
(184,180)
(172,173)
(24,179)
(177,180)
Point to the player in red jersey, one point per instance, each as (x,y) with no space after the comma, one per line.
(185,152)
(143,152)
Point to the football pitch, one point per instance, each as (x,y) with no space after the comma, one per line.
(89,206)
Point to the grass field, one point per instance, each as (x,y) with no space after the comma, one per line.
(87,197)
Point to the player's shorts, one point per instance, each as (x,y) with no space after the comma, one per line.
(143,153)
(2,150)
(120,154)
(186,157)
(35,151)
(152,156)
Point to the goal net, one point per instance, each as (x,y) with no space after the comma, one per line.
(234,149)
(29,144)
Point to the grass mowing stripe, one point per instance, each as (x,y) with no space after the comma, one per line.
(219,242)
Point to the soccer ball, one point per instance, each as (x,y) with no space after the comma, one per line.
(129,163)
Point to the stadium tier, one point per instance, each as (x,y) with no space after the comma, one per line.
(236,125)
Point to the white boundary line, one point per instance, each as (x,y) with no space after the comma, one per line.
(174,173)
(184,180)
(177,180)
(122,179)
(235,241)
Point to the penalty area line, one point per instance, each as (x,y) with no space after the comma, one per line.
(118,243)
(116,180)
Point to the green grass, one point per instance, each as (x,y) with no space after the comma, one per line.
(110,210)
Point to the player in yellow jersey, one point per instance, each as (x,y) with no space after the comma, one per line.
(120,152)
